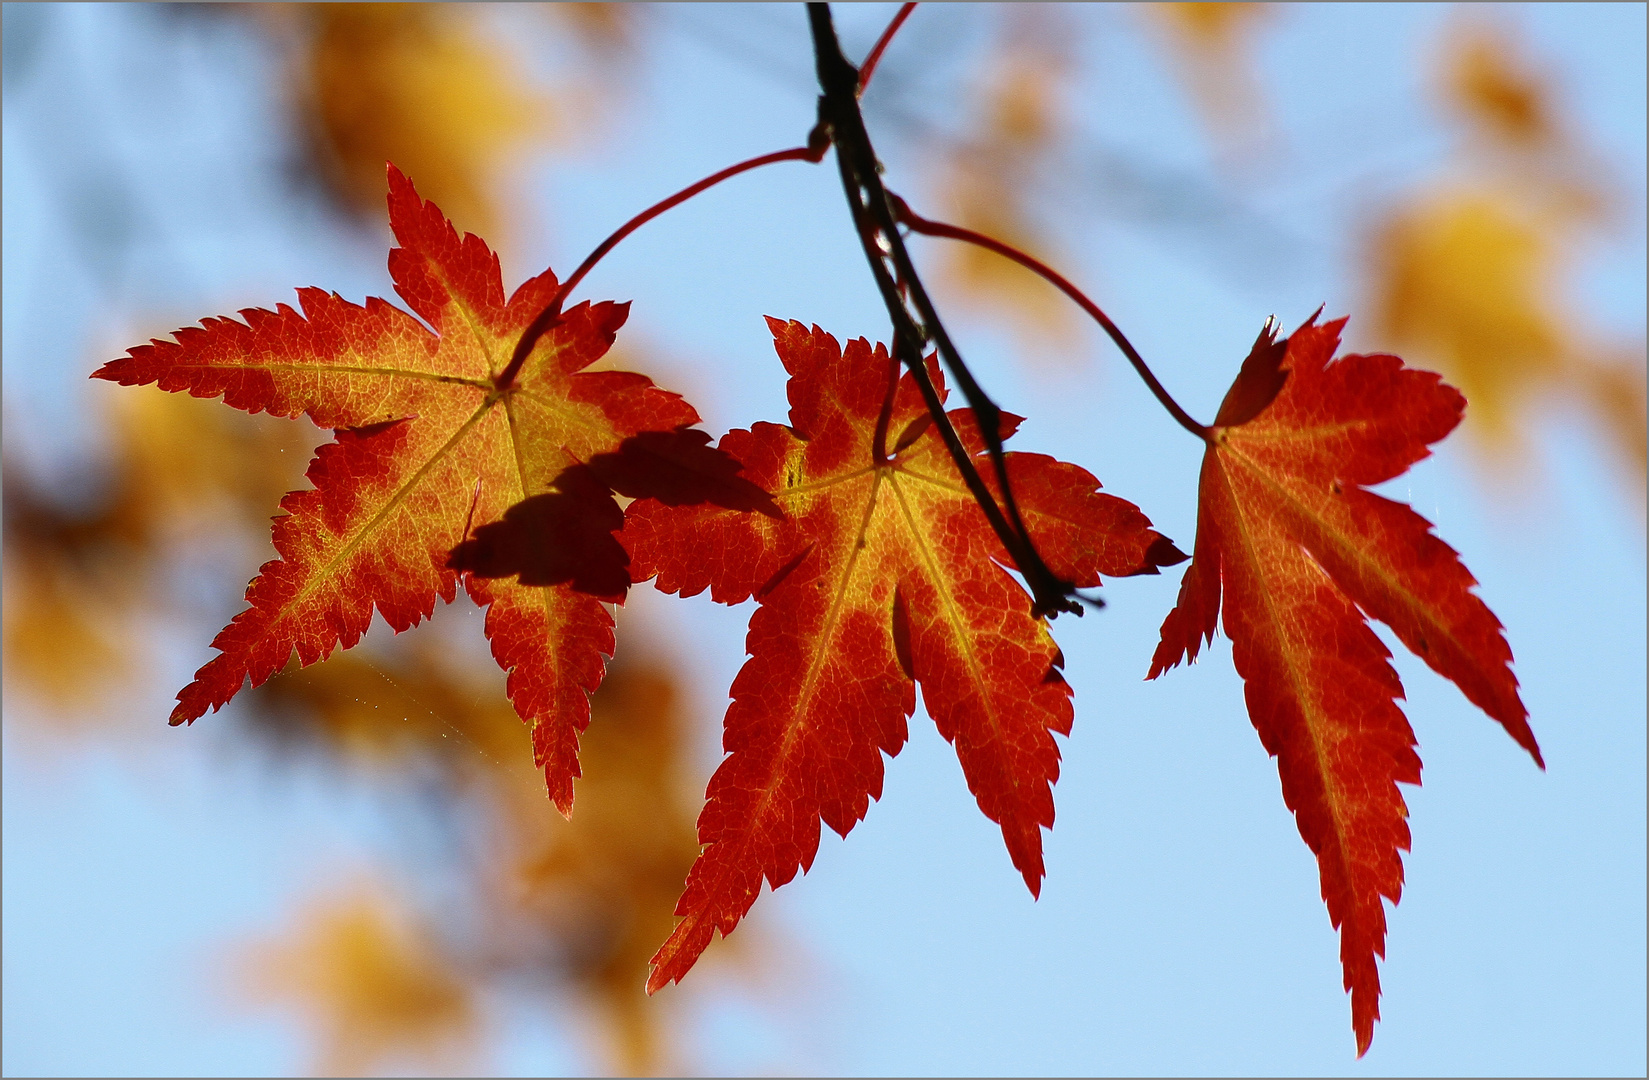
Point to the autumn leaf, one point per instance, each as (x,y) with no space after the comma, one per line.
(1303,554)
(427,445)
(881,573)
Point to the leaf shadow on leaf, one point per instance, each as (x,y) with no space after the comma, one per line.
(680,468)
(561,537)
(566,536)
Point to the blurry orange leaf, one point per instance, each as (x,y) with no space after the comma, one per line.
(374,984)
(416,84)
(394,713)
(1465,279)
(1495,88)
(1615,387)
(62,629)
(1471,276)
(77,577)
(1469,280)
(1211,43)
(604,884)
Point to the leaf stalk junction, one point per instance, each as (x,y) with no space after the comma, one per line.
(878,216)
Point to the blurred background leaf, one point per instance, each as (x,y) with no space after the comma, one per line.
(1476,273)
(371,983)
(989,182)
(1213,46)
(548,902)
(416,84)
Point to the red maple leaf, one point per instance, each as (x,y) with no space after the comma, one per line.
(427,443)
(1304,555)
(881,572)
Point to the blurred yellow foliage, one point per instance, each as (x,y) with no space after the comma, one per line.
(1212,45)
(64,639)
(398,714)
(1488,81)
(1467,278)
(375,985)
(419,85)
(187,464)
(606,883)
(583,902)
(80,578)
(1473,275)
(1019,126)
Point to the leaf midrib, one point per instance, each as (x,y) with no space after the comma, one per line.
(345,369)
(1309,706)
(816,664)
(1349,552)
(959,627)
(325,573)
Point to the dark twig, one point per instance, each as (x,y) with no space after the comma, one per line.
(918,223)
(915,323)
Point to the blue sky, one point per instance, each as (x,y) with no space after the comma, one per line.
(1180,928)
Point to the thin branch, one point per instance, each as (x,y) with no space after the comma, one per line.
(818,142)
(918,223)
(875,56)
(915,323)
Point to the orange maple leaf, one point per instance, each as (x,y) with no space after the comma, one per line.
(1304,554)
(881,572)
(427,444)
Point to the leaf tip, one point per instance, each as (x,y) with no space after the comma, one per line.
(1259,381)
(1164,552)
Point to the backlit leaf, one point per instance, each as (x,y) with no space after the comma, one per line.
(1297,555)
(874,576)
(427,448)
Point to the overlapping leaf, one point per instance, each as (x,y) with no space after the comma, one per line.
(427,445)
(881,572)
(1297,554)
